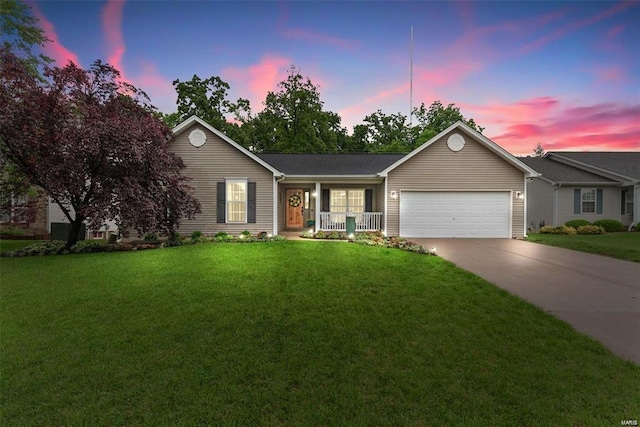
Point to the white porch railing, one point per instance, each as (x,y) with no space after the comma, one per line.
(337,221)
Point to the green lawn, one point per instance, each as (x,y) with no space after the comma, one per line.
(7,245)
(290,333)
(617,245)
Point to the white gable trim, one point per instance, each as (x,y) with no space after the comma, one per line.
(492,146)
(195,119)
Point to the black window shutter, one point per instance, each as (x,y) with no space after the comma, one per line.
(221,198)
(577,199)
(622,204)
(251,203)
(325,200)
(599,201)
(368,200)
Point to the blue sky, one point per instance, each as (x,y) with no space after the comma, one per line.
(565,74)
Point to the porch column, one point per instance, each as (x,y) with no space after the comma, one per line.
(318,206)
(275,206)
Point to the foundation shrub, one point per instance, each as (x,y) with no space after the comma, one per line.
(590,229)
(563,229)
(610,225)
(575,223)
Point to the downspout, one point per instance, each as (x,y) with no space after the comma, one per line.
(318,201)
(555,203)
(524,190)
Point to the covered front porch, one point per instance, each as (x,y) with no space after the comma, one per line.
(325,206)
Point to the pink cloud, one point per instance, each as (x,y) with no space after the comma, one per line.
(513,113)
(563,31)
(112,27)
(259,78)
(54,48)
(156,86)
(449,74)
(613,32)
(308,35)
(598,127)
(610,74)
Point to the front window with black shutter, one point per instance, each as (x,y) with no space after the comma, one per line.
(236,201)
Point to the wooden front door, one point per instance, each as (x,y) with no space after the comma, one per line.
(294,208)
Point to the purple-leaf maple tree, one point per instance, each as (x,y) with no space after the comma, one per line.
(92,142)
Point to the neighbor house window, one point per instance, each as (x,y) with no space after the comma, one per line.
(628,202)
(236,191)
(588,201)
(12,208)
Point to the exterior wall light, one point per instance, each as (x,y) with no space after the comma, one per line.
(394,195)
(519,195)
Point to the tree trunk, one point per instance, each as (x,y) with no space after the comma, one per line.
(74,232)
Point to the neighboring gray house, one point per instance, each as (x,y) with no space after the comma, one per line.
(458,184)
(584,185)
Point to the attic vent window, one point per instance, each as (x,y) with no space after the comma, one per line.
(197,138)
(455,142)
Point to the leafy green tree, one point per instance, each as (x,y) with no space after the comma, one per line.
(382,133)
(208,100)
(293,120)
(172,119)
(435,119)
(21,33)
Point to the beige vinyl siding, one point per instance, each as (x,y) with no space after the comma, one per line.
(214,162)
(610,204)
(474,168)
(539,203)
(378,198)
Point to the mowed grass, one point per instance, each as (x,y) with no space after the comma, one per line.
(290,333)
(7,245)
(624,246)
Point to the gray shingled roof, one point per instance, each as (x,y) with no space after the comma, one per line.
(330,164)
(626,163)
(560,172)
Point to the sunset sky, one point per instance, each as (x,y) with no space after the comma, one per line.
(564,74)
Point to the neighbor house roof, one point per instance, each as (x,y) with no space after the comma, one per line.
(561,173)
(624,163)
(330,164)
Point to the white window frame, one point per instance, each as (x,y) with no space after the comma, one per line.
(228,202)
(347,207)
(628,204)
(583,192)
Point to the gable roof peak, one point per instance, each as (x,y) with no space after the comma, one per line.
(480,138)
(195,119)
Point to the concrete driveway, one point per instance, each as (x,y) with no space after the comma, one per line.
(597,295)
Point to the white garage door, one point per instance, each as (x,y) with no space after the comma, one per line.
(455,214)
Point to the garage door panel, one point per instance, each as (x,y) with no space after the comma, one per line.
(454,214)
